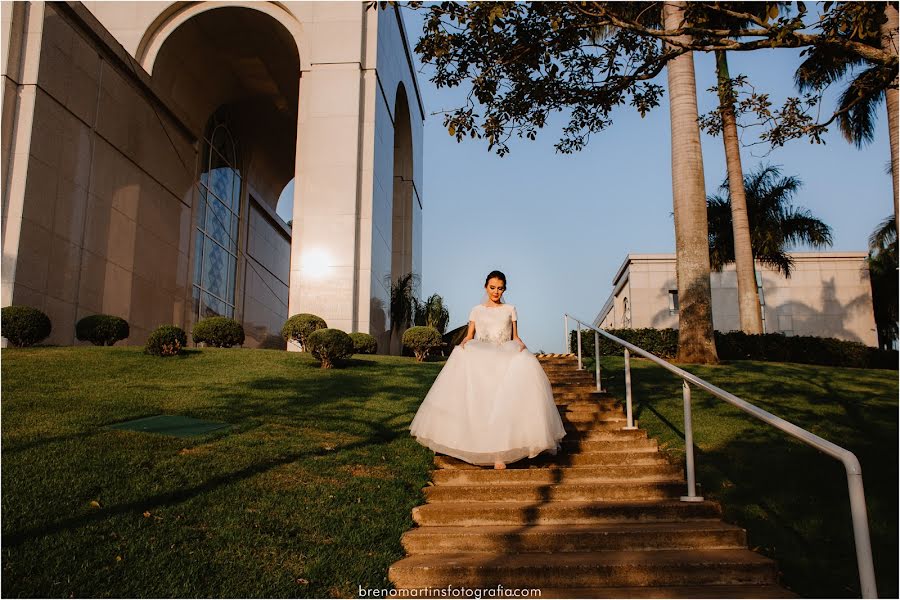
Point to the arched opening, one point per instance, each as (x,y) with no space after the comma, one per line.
(401,236)
(234,73)
(402,211)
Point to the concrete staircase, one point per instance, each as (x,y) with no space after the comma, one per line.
(602,519)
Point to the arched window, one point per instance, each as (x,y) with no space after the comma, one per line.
(217,219)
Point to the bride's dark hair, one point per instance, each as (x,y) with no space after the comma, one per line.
(498,275)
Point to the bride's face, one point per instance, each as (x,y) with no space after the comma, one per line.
(495,289)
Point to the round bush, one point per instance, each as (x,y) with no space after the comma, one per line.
(422,340)
(219,332)
(363,343)
(24,325)
(102,330)
(300,326)
(329,346)
(166,340)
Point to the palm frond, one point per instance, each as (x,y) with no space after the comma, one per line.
(884,235)
(858,124)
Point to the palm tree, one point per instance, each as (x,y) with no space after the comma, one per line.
(825,65)
(775,225)
(403,306)
(695,329)
(748,296)
(882,262)
(433,313)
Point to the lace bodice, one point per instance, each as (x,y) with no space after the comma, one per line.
(493,324)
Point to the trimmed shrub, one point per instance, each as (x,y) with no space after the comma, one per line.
(329,346)
(24,325)
(300,326)
(422,340)
(166,340)
(737,345)
(102,330)
(363,343)
(219,332)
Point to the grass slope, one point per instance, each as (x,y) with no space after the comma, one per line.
(305,496)
(792,500)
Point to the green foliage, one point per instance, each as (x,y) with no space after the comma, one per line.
(775,225)
(219,332)
(526,61)
(102,330)
(422,340)
(166,340)
(432,313)
(300,326)
(404,303)
(882,262)
(24,325)
(364,343)
(329,345)
(737,345)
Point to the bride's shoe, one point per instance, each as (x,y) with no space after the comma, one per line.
(499,465)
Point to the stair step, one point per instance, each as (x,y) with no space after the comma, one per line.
(574,538)
(617,422)
(615,433)
(587,416)
(644,456)
(584,569)
(535,492)
(612,444)
(590,408)
(561,512)
(582,394)
(621,473)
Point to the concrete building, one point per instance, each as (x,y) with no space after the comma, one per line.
(827,295)
(145,146)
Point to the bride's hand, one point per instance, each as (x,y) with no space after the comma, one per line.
(523,346)
(463,344)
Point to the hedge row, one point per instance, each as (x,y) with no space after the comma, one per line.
(737,345)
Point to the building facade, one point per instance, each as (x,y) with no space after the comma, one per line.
(827,295)
(145,146)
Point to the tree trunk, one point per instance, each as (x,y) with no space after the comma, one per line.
(695,329)
(748,297)
(889,44)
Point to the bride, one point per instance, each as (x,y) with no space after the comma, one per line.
(492,403)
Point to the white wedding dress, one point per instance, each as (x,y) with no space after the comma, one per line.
(491,401)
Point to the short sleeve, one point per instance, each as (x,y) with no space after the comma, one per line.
(512,312)
(472,313)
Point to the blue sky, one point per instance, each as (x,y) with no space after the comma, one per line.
(560,225)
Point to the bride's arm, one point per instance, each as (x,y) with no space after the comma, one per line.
(515,335)
(470,334)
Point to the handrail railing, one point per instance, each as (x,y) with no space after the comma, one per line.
(848,459)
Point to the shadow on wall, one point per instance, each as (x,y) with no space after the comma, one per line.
(831,320)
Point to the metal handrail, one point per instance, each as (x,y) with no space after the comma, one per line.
(851,464)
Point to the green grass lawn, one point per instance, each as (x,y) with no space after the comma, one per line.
(306,494)
(792,500)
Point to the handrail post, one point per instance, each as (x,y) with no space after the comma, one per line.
(597,361)
(689,446)
(568,344)
(629,425)
(580,368)
(861,535)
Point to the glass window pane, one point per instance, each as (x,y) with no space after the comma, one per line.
(195,300)
(198,256)
(212,307)
(232,274)
(223,144)
(217,222)
(221,183)
(236,193)
(215,263)
(201,208)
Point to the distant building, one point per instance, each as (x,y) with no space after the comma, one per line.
(827,295)
(146,144)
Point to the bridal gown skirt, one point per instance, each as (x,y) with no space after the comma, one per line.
(490,402)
